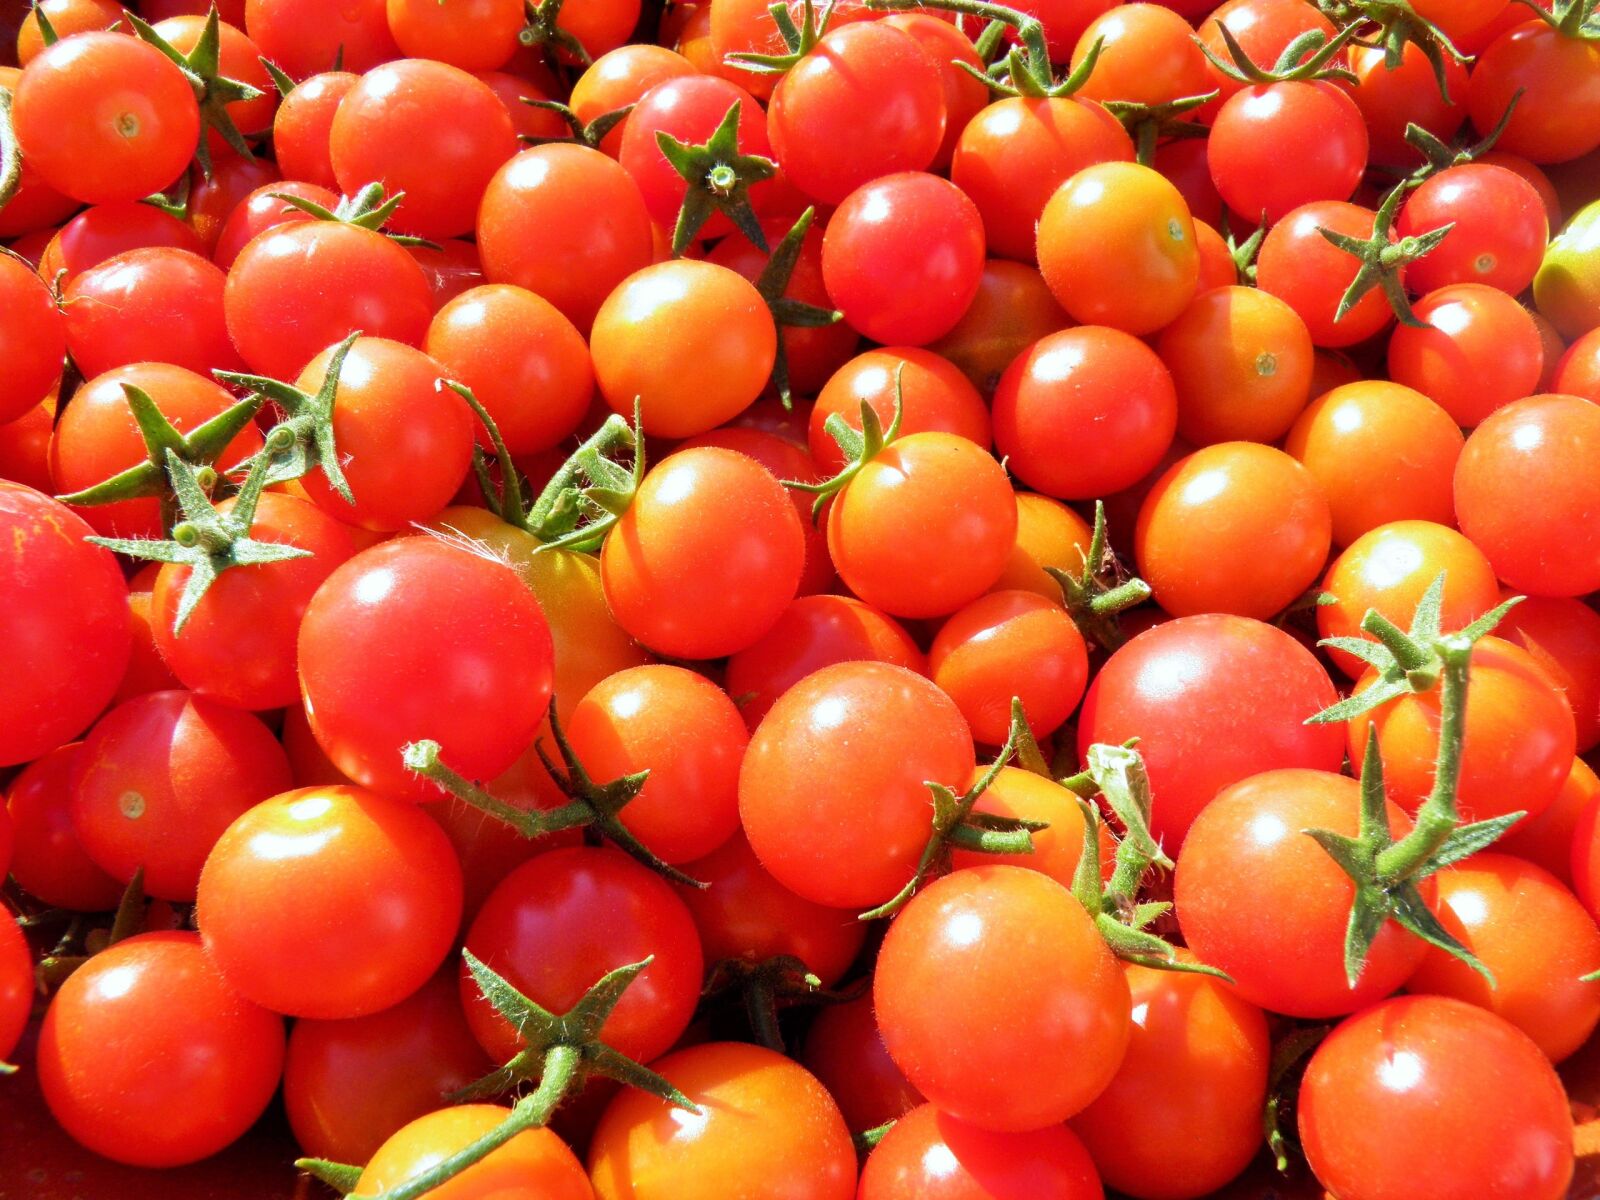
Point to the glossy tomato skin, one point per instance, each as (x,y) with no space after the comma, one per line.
(1563,636)
(1049,534)
(1550,840)
(1155,686)
(621,77)
(348,1085)
(1005,948)
(307,36)
(1391,99)
(263,209)
(369,649)
(48,861)
(766,1120)
(934,397)
(1263,28)
(707,557)
(1499,228)
(1148,56)
(1557,117)
(534,1163)
(64,660)
(361,893)
(1245,147)
(1012,310)
(156,998)
(16,983)
(1434,1075)
(1299,266)
(560,921)
(933,1155)
(1016,792)
(855,842)
(1522,496)
(1478,351)
(845,1051)
(32,340)
(301,127)
(476,37)
(1194,1078)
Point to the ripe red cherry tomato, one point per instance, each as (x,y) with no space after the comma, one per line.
(152,305)
(932,1154)
(106,230)
(1557,117)
(621,77)
(48,862)
(301,128)
(1563,636)
(934,397)
(476,37)
(1015,792)
(1247,139)
(1550,840)
(262,210)
(1392,99)
(535,1161)
(1012,310)
(159,999)
(1148,56)
(845,1051)
(1498,235)
(1299,266)
(1478,350)
(32,339)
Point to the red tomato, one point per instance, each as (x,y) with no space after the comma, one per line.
(476,37)
(262,210)
(934,397)
(1557,117)
(1148,56)
(154,305)
(932,1155)
(949,47)
(1408,94)
(845,1051)
(1550,839)
(1298,265)
(238,57)
(66,17)
(25,446)
(106,230)
(304,37)
(1479,351)
(303,124)
(1499,228)
(212,200)
(1263,28)
(450,269)
(535,1161)
(32,340)
(1245,148)
(48,861)
(1012,310)
(1016,792)
(1563,636)
(619,78)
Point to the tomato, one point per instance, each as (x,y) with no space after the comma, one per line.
(568,224)
(303,123)
(1406,1100)
(25,446)
(283,307)
(746,915)
(1391,99)
(1530,173)
(476,37)
(1380,452)
(16,984)
(690,343)
(369,649)
(49,862)
(1156,687)
(1299,266)
(32,340)
(1241,360)
(958,499)
(147,671)
(866,101)
(348,1085)
(1498,235)
(1516,750)
(1084,412)
(104,117)
(855,842)
(238,58)
(1245,151)
(1263,28)
(934,397)
(304,37)
(451,267)
(1116,245)
(949,47)
(707,557)
(153,305)
(212,200)
(619,78)
(763,1119)
(1194,1081)
(1557,117)
(1550,840)
(1049,534)
(106,230)
(159,999)
(64,660)
(263,209)
(745,26)
(935,1156)
(1012,310)
(1566,286)
(66,17)
(1016,792)
(562,920)
(1563,636)
(533,1163)
(1264,902)
(845,1051)
(1235,527)
(1148,56)
(1390,568)
(1005,949)
(1524,497)
(1480,350)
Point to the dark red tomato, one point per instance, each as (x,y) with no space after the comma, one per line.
(747,915)
(814,353)
(1563,636)
(348,1085)
(523,360)
(1013,309)
(32,340)
(1263,28)
(903,256)
(361,893)
(154,305)
(16,983)
(304,37)
(1013,155)
(238,646)
(161,1000)
(845,1051)
(934,397)
(1407,1102)
(63,660)
(1298,265)
(1010,645)
(104,117)
(949,47)
(535,1161)
(1148,56)
(405,439)
(429,131)
(450,267)
(815,632)
(934,1156)
(1004,949)
(1516,750)
(147,670)
(300,288)
(238,57)
(1557,117)
(1194,1080)
(1550,839)
(370,648)
(1084,413)
(474,37)
(1154,688)
(1236,527)
(621,77)
(765,1119)
(560,921)
(303,125)
(1478,351)
(855,842)
(212,200)
(48,861)
(1379,452)
(1183,163)
(688,108)
(1390,100)
(1531,932)
(1246,146)
(867,101)
(106,230)
(1498,235)
(707,557)
(158,780)
(1259,899)
(262,210)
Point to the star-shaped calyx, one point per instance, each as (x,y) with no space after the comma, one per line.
(794,314)
(1384,260)
(719,179)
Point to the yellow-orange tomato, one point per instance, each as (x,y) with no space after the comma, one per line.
(1548,838)
(1057,847)
(690,342)
(1012,310)
(1049,534)
(1117,247)
(618,78)
(533,1163)
(1241,360)
(478,35)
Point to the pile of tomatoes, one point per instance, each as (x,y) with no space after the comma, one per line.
(885,599)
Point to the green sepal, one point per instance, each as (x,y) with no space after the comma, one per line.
(341,1177)
(859,447)
(718,178)
(1307,57)
(543,29)
(1288,1053)
(798,40)
(1440,156)
(1151,124)
(1382,261)
(589,493)
(867,1140)
(774,278)
(175,201)
(1573,18)
(367,209)
(1397,24)
(1025,70)
(1100,590)
(590,134)
(280,78)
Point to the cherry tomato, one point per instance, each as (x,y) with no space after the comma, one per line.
(1392,98)
(933,1155)
(1299,266)
(476,37)
(1148,56)
(1550,839)
(66,17)
(32,340)
(1049,534)
(1263,28)
(25,446)
(1245,151)
(1498,235)
(264,209)
(106,230)
(304,37)
(1012,310)
(153,305)
(1477,352)
(933,394)
(949,47)
(619,78)
(48,861)
(1015,792)
(1563,636)
(1557,116)
(845,1051)
(303,124)
(238,57)
(535,1162)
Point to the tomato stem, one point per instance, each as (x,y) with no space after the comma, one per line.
(1097,594)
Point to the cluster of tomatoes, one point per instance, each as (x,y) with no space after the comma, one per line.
(560,607)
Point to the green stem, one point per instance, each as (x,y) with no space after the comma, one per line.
(423,759)
(1438,817)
